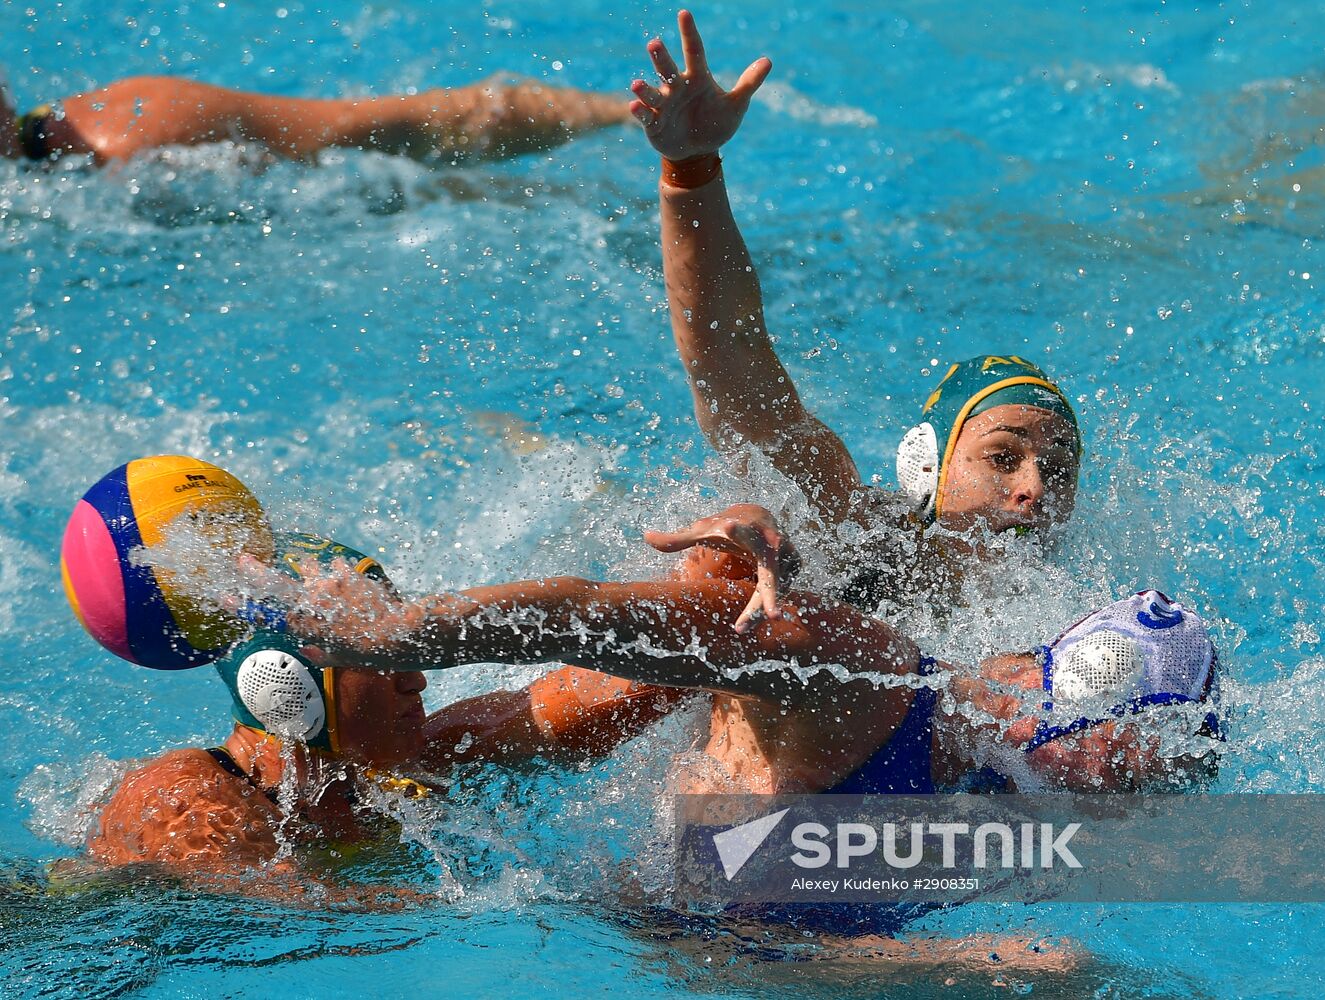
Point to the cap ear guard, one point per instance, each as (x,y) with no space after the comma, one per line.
(279,691)
(1101,671)
(918,467)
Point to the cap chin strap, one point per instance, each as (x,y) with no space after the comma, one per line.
(918,467)
(399,784)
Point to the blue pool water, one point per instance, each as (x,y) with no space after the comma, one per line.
(470,372)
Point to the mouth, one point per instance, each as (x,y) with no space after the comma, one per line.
(414,713)
(1018,524)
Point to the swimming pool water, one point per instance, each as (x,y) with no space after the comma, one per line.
(470,372)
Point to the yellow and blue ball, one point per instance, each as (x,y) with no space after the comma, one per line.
(127,604)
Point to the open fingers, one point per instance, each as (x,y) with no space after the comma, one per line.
(752,79)
(663,61)
(644,114)
(672,541)
(651,96)
(692,46)
(766,589)
(763,602)
(753,609)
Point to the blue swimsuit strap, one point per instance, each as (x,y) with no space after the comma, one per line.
(903,765)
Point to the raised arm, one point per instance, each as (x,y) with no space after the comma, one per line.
(672,633)
(742,392)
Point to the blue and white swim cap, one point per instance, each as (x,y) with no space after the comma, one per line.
(1142,651)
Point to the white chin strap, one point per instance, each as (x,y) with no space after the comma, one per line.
(281,693)
(918,467)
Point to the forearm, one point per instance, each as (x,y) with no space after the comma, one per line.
(569,713)
(535,116)
(498,726)
(740,386)
(669,633)
(637,631)
(489,119)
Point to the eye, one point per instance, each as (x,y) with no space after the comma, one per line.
(1003,461)
(1058,469)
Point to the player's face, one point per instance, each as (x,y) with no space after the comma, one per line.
(380,715)
(1014,466)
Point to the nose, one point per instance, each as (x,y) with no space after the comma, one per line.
(410,681)
(1028,488)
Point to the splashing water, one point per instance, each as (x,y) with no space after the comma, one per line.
(1133,200)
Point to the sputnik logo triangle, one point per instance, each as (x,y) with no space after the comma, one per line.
(737,845)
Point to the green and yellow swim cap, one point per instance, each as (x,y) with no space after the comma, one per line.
(274,687)
(969,388)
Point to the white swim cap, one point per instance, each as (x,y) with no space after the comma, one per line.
(1142,651)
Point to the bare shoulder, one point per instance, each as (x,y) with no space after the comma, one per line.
(183,810)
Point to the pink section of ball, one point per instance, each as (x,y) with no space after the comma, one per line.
(93,565)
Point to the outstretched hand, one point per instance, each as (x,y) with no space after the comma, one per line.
(332,602)
(688,114)
(745,529)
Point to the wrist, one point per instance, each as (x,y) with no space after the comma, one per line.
(691,172)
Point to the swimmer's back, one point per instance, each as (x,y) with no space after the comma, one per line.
(184,810)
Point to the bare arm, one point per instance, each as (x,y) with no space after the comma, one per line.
(575,713)
(567,713)
(488,119)
(742,391)
(673,633)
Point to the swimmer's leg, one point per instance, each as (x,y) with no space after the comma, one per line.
(490,119)
(977,953)
(974,964)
